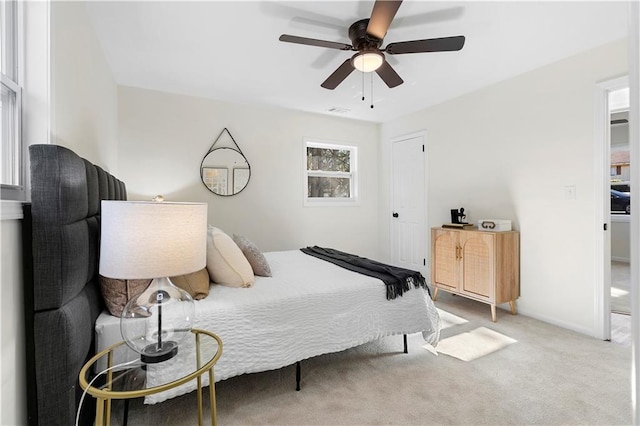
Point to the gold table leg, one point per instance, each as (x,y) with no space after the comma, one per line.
(100,411)
(212,398)
(107,416)
(200,419)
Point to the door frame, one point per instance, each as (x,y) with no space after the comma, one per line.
(420,134)
(602,162)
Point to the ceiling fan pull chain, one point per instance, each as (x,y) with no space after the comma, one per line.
(371,74)
(362,86)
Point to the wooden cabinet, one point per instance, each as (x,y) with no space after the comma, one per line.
(480,265)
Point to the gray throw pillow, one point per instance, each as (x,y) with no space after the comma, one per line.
(253,254)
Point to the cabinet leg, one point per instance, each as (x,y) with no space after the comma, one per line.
(435,294)
(512,305)
(493,313)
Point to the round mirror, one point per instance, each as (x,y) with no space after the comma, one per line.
(225,171)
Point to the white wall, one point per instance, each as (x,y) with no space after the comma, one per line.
(163,138)
(620,238)
(84,93)
(620,136)
(508,151)
(12,366)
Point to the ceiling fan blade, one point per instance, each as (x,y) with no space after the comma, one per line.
(389,75)
(381,16)
(444,44)
(338,75)
(313,42)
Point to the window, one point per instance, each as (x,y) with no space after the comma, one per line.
(616,170)
(11,164)
(330,173)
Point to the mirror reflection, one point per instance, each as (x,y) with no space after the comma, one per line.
(225,171)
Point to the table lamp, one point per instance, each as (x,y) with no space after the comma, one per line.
(154,240)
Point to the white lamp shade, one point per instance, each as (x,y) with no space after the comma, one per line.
(151,239)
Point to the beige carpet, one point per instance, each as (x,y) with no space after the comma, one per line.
(621,329)
(474,344)
(552,376)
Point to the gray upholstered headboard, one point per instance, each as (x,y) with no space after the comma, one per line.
(62,294)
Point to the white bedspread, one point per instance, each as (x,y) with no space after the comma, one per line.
(309,307)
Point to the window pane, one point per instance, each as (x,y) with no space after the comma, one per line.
(332,160)
(329,187)
(9,166)
(8,39)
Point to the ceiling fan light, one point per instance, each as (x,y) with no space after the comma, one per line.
(367,61)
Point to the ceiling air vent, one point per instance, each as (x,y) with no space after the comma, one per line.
(621,121)
(339,110)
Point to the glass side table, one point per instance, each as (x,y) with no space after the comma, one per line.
(128,381)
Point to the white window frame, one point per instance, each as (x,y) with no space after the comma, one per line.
(352,175)
(12,80)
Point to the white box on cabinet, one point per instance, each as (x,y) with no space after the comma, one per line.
(495,225)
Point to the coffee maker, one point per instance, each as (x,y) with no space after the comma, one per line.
(458,216)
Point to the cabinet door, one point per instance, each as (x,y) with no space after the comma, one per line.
(477,264)
(444,258)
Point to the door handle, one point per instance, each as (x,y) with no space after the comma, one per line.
(395,214)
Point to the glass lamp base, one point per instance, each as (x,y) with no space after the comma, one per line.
(151,354)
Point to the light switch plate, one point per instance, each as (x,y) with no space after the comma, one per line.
(570,192)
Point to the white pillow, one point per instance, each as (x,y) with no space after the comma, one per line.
(226,263)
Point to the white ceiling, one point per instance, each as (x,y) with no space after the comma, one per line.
(229,50)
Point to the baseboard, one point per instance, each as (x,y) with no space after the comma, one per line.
(569,326)
(621,259)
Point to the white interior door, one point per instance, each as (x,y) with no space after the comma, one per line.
(408,237)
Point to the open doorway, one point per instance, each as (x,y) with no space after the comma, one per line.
(620,207)
(610,99)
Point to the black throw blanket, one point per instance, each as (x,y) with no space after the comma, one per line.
(398,280)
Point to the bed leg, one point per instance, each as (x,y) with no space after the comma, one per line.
(298,376)
(406,351)
(126,413)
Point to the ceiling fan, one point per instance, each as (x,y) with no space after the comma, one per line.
(366,36)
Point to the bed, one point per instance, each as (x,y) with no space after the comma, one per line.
(308,307)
